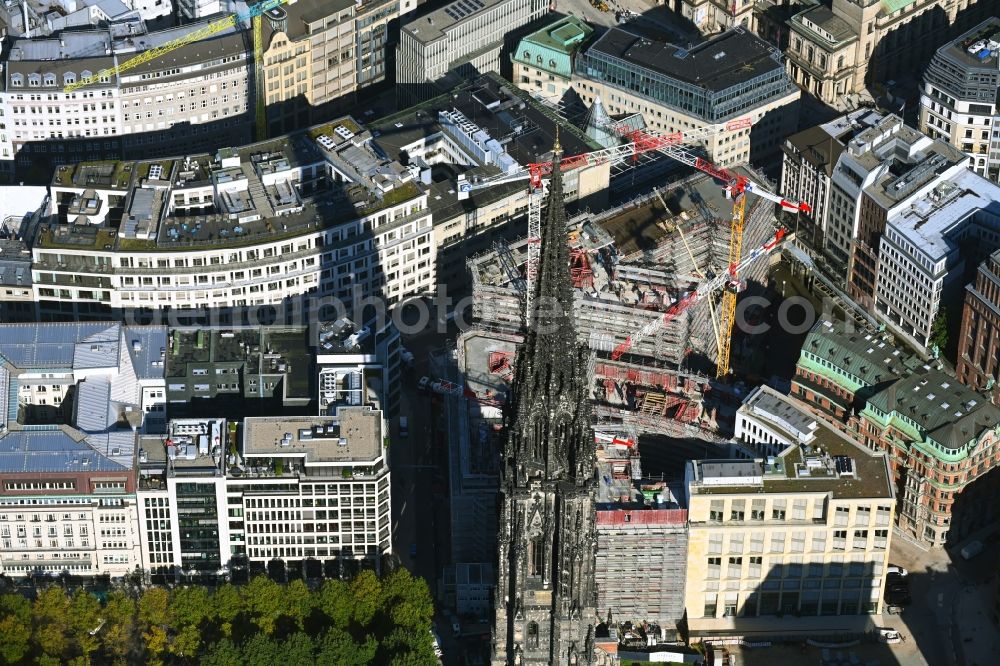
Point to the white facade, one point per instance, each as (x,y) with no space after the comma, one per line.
(85,536)
(195,9)
(433,45)
(919,260)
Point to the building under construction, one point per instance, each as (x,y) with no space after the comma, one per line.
(630,265)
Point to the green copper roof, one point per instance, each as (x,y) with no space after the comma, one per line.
(553,47)
(892,6)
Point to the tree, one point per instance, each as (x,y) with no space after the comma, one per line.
(262,600)
(407,602)
(226,606)
(261,650)
(15,628)
(189,606)
(118,634)
(335,602)
(299,602)
(338,647)
(50,617)
(939,330)
(298,650)
(154,618)
(223,653)
(85,617)
(366,592)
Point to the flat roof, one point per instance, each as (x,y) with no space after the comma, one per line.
(812,468)
(353,435)
(432,25)
(985,55)
(716,64)
(930,221)
(825,24)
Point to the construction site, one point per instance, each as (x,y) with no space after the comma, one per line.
(631,267)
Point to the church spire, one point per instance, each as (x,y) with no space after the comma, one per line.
(549,413)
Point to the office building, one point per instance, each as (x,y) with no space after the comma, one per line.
(456,42)
(958,101)
(259,370)
(768,534)
(837,50)
(72,399)
(925,249)
(148,110)
(318,54)
(979,340)
(809,159)
(940,435)
(317,214)
(884,168)
(218,497)
(733,83)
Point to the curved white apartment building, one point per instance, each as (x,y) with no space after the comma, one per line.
(321,213)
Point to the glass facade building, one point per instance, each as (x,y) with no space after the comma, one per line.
(715,81)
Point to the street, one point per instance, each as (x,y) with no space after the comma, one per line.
(655,21)
(950,617)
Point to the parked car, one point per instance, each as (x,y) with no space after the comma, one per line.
(898,570)
(972,549)
(890,636)
(898,598)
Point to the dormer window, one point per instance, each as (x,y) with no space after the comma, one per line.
(50,79)
(17,80)
(68,78)
(86,74)
(34,80)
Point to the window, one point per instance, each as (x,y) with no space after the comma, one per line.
(714,567)
(778,542)
(860,539)
(757,509)
(532,636)
(735,567)
(737,512)
(711,603)
(715,511)
(778,512)
(839,539)
(755,566)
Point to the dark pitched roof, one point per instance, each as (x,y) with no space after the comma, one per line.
(818,147)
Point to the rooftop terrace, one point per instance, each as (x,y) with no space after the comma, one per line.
(829,462)
(354,435)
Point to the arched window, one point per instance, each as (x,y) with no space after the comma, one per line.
(536,557)
(552,64)
(840,62)
(16,80)
(86,74)
(50,79)
(527,55)
(69,77)
(531,636)
(34,80)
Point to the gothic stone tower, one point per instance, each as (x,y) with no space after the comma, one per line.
(545,599)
